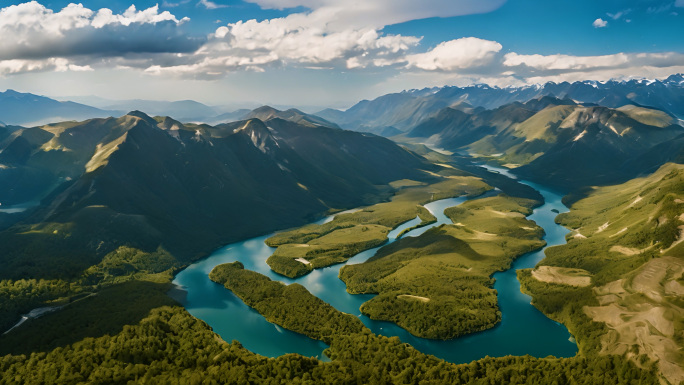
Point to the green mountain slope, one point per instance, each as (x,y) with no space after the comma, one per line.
(592,146)
(178,191)
(406,109)
(559,142)
(618,282)
(266,113)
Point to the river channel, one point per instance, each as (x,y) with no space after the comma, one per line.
(523,328)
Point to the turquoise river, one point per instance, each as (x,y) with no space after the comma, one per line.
(523,329)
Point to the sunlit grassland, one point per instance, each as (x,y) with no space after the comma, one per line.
(628,238)
(350,233)
(438,285)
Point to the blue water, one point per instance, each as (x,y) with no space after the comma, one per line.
(18,208)
(523,329)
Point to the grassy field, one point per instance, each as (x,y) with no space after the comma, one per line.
(301,250)
(438,285)
(626,246)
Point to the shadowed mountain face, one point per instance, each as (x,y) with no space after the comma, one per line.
(559,142)
(150,183)
(405,110)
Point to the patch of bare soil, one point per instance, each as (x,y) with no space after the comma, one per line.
(422,299)
(626,250)
(640,320)
(562,276)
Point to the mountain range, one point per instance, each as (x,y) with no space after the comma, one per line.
(30,110)
(156,184)
(26,109)
(557,141)
(404,110)
(387,115)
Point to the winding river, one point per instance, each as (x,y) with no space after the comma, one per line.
(523,329)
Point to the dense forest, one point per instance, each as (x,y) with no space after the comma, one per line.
(169,346)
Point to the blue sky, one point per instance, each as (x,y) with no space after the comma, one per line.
(327,52)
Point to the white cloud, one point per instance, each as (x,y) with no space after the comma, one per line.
(15,66)
(338,34)
(567,63)
(333,34)
(618,15)
(33,16)
(150,15)
(210,4)
(661,8)
(564,62)
(632,72)
(380,13)
(599,23)
(30,31)
(539,69)
(456,54)
(679,3)
(173,5)
(305,39)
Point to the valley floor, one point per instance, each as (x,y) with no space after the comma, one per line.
(624,308)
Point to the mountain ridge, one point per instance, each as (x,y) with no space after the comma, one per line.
(403,109)
(558,142)
(24,109)
(225,183)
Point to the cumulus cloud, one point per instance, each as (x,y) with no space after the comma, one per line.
(456,54)
(332,34)
(8,67)
(338,34)
(599,23)
(31,32)
(679,3)
(311,40)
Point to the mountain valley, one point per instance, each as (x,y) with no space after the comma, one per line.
(99,217)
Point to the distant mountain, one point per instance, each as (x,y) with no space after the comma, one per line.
(229,116)
(559,142)
(267,113)
(406,109)
(31,110)
(401,111)
(183,110)
(184,189)
(453,128)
